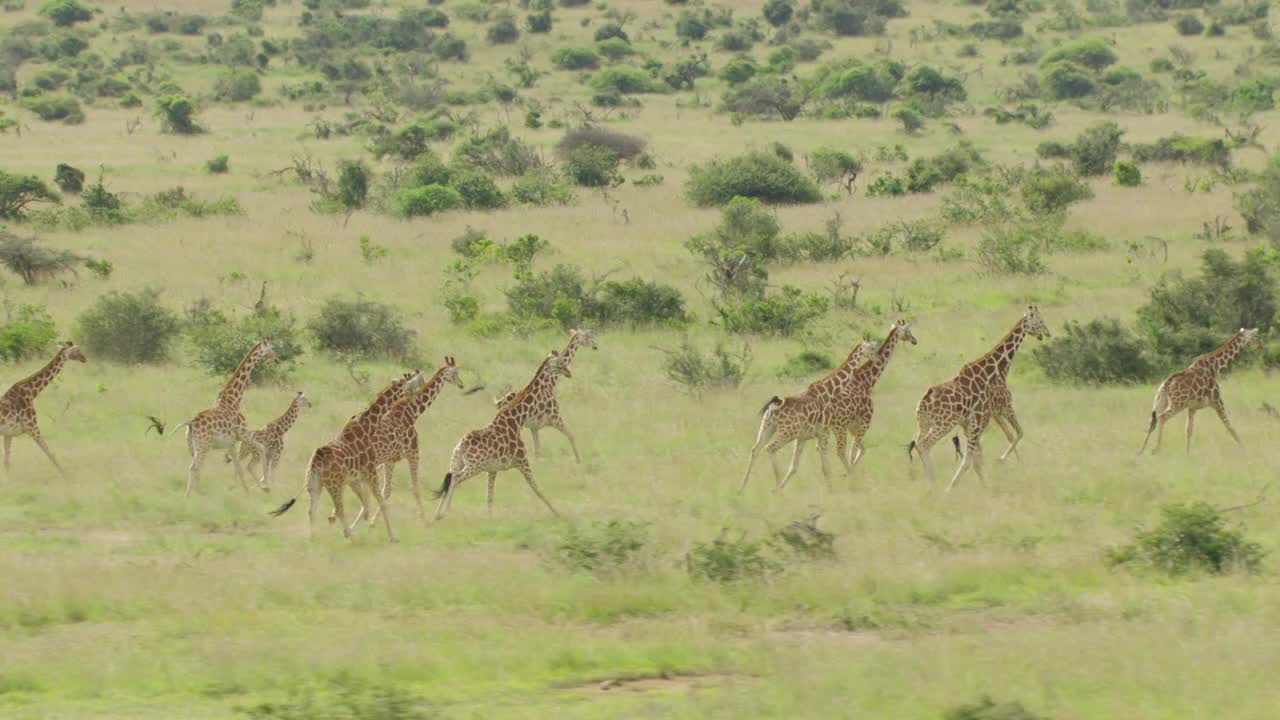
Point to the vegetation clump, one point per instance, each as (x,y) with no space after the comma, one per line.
(1191,538)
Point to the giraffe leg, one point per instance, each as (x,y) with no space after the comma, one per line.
(235,460)
(558,424)
(533,485)
(193,472)
(1012,431)
(1191,421)
(413,483)
(766,432)
(8,445)
(493,481)
(1161,421)
(383,489)
(537,445)
(972,456)
(336,491)
(260,451)
(368,485)
(1221,409)
(795,462)
(823,442)
(35,435)
(924,442)
(855,450)
(843,452)
(447,496)
(313,500)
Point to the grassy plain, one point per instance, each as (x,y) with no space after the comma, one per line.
(121,599)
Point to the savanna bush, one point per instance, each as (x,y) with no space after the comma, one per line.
(219,343)
(1102,351)
(764,97)
(575,59)
(26,333)
(65,13)
(177,115)
(614,48)
(55,108)
(128,327)
(988,709)
(19,192)
(728,560)
(362,329)
(805,364)
(925,174)
(1126,174)
(1093,53)
(1012,250)
(477,190)
(33,261)
(785,313)
(625,146)
(237,85)
(542,187)
(626,80)
(1191,538)
(427,200)
(1185,149)
(1094,151)
(602,547)
(738,71)
(592,166)
(760,175)
(217,165)
(1046,191)
(1188,25)
(696,371)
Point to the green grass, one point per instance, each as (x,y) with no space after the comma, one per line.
(122,599)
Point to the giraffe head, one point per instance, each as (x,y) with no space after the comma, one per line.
(558,364)
(263,350)
(71,351)
(449,373)
(1250,337)
(1034,325)
(585,337)
(866,348)
(904,331)
(301,400)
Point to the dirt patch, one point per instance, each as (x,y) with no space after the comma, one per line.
(653,683)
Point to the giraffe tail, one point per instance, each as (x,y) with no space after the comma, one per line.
(955,440)
(308,482)
(444,487)
(773,402)
(174,429)
(911,448)
(1152,426)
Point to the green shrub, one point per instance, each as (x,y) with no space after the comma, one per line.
(1098,352)
(450,47)
(496,151)
(829,165)
(1052,191)
(803,540)
(614,49)
(609,31)
(805,365)
(1188,25)
(696,371)
(626,147)
(887,185)
(427,200)
(726,560)
(237,85)
(575,59)
(988,709)
(760,175)
(1093,53)
(1094,151)
(852,79)
(27,333)
(911,119)
(177,115)
(738,71)
(539,22)
(1190,539)
(786,313)
(19,192)
(856,17)
(477,189)
(1064,80)
(68,179)
(503,31)
(778,12)
(735,251)
(50,79)
(691,26)
(542,187)
(927,82)
(636,302)
(1185,149)
(217,165)
(1012,251)
(1161,65)
(764,97)
(605,547)
(1127,174)
(926,174)
(625,81)
(128,327)
(65,13)
(592,166)
(736,40)
(52,108)
(219,343)
(353,184)
(32,261)
(362,329)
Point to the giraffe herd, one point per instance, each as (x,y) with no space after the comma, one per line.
(838,404)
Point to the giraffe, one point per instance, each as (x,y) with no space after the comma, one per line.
(17,405)
(972,398)
(806,416)
(348,461)
(1197,387)
(223,425)
(498,446)
(546,412)
(271,437)
(396,436)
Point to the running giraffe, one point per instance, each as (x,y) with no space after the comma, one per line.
(806,416)
(498,446)
(333,466)
(1197,387)
(972,398)
(396,436)
(18,409)
(546,411)
(223,425)
(271,437)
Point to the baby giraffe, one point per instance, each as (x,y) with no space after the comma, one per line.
(17,405)
(271,438)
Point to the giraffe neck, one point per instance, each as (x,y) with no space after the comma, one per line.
(1001,356)
(32,385)
(1223,356)
(233,391)
(572,346)
(290,416)
(870,370)
(422,399)
(521,406)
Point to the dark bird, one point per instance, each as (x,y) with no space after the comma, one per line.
(474,390)
(1268,409)
(154,423)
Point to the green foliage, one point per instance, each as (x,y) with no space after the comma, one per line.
(1012,251)
(237,85)
(829,165)
(760,175)
(786,313)
(1092,53)
(128,327)
(34,262)
(427,200)
(636,302)
(177,115)
(924,81)
(592,166)
(450,47)
(692,26)
(726,560)
(362,329)
(68,179)
(626,147)
(1127,174)
(696,371)
(355,701)
(778,12)
(1191,539)
(1101,351)
(1065,80)
(542,187)
(806,364)
(27,333)
(887,185)
(565,296)
(988,709)
(496,151)
(738,71)
(65,13)
(478,190)
(735,252)
(18,192)
(1047,190)
(764,97)
(1187,317)
(1094,151)
(912,120)
(926,174)
(51,108)
(614,48)
(855,17)
(625,80)
(803,540)
(219,343)
(610,31)
(217,165)
(503,31)
(1185,149)
(852,79)
(539,22)
(604,547)
(1188,25)
(575,59)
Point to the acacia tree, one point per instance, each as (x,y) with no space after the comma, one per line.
(19,191)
